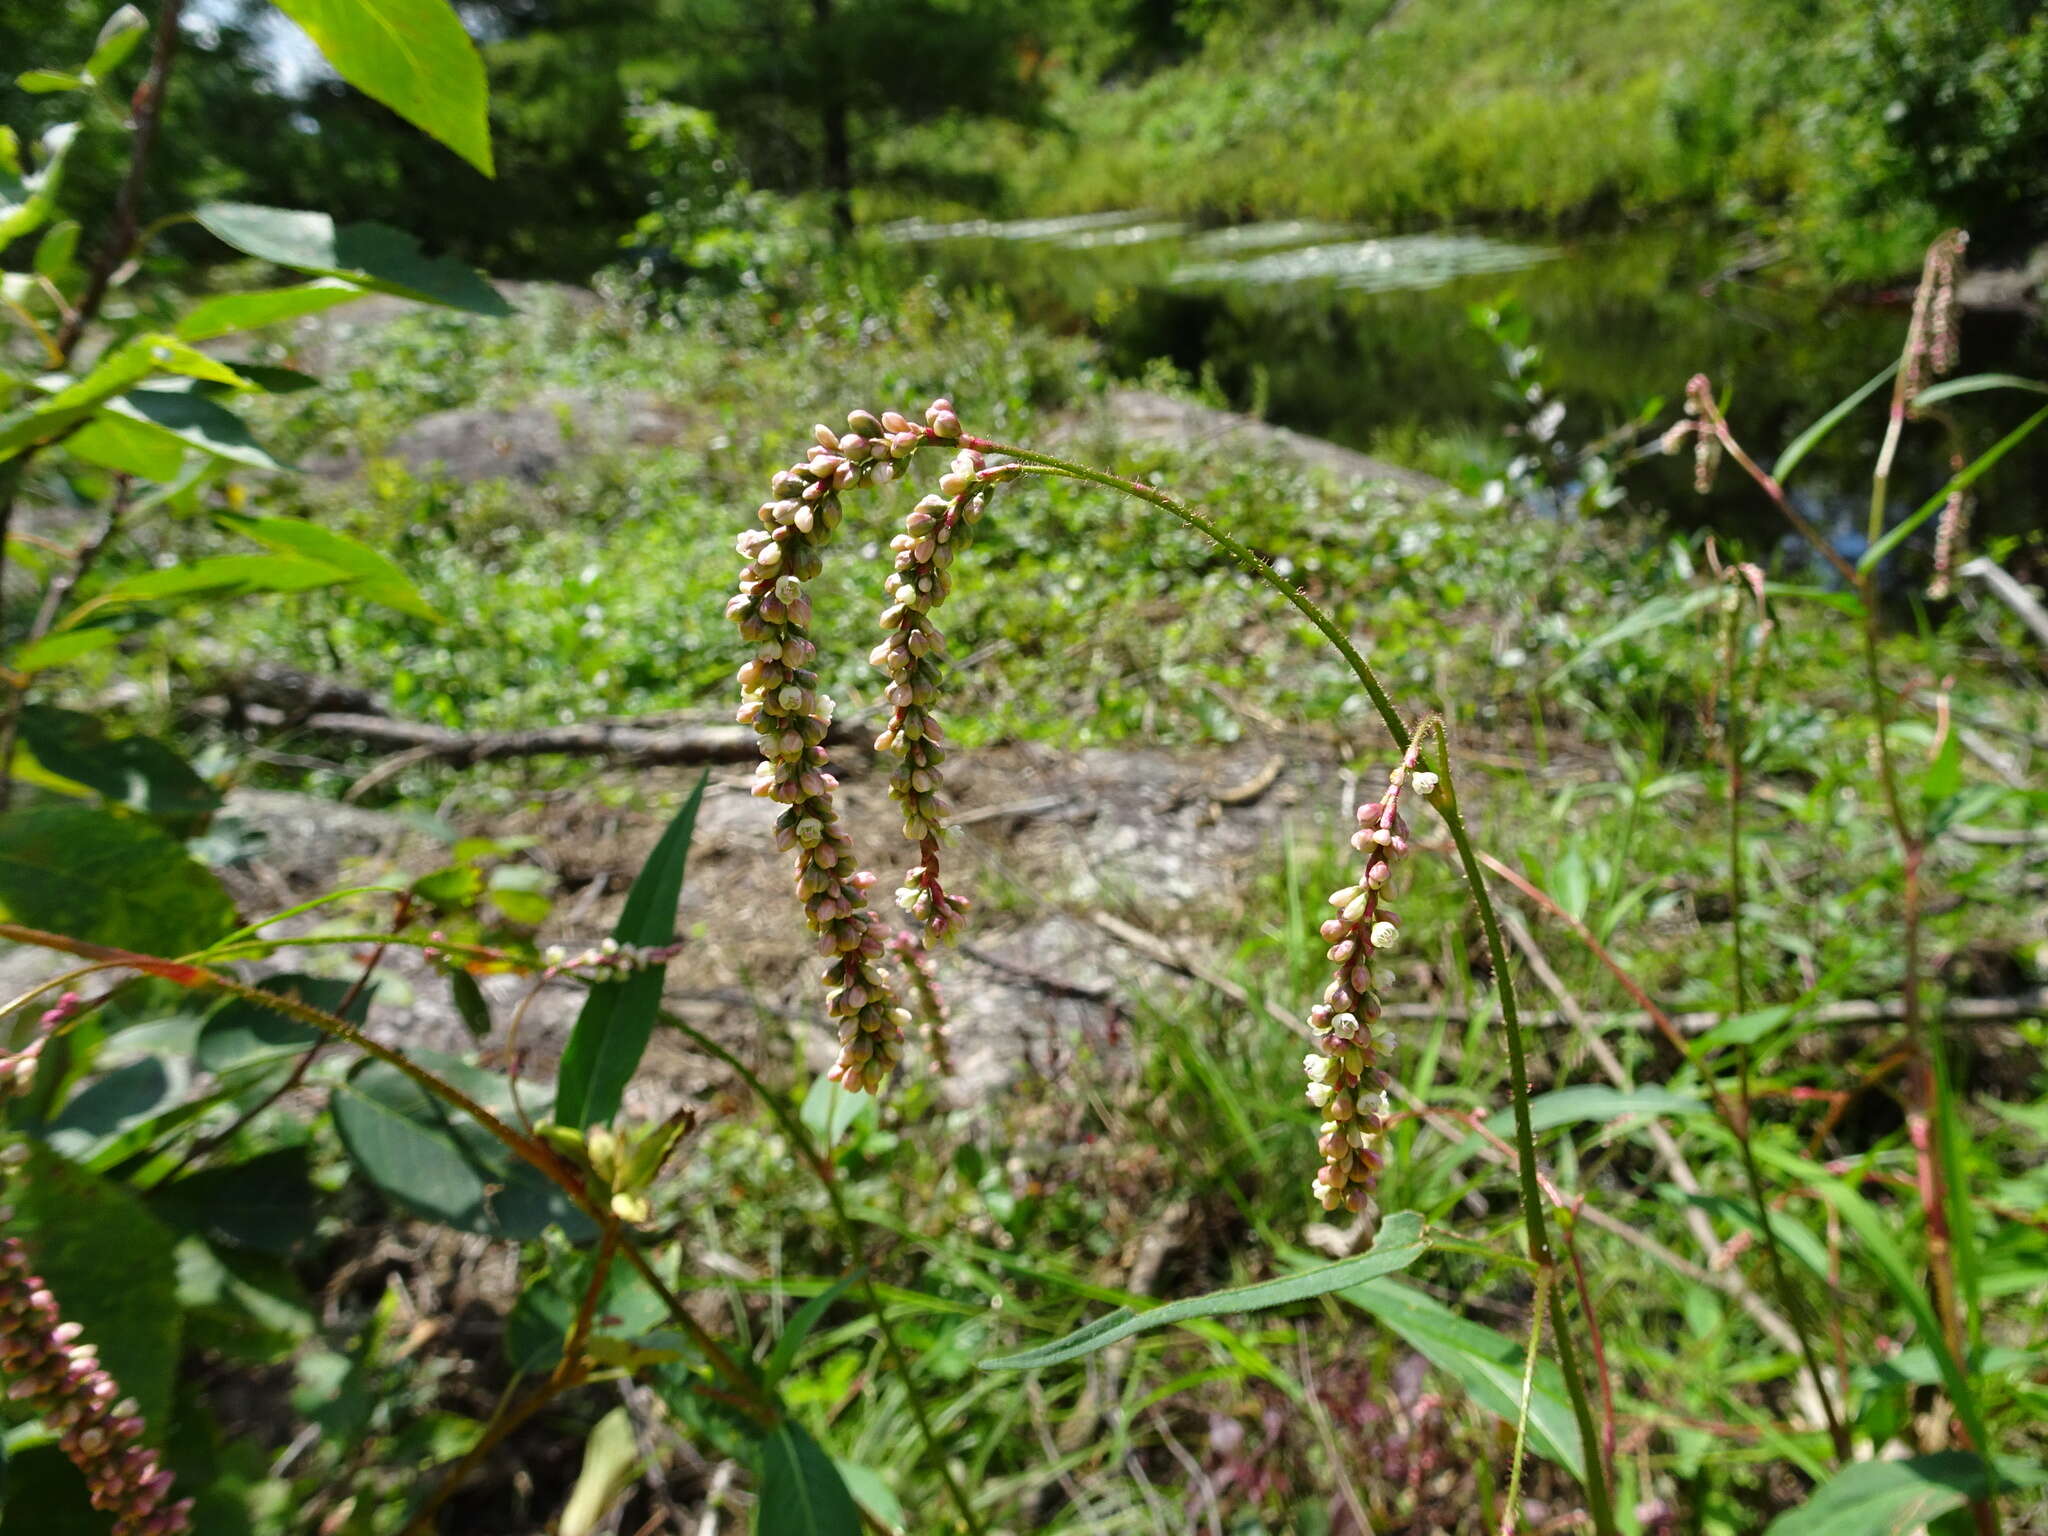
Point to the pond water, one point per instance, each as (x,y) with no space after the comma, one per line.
(1369,340)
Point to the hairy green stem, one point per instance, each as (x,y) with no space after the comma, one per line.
(1446,802)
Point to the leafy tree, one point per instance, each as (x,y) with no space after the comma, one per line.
(1933,112)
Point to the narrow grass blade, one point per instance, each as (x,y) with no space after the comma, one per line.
(1402,1241)
(1963,480)
(1808,440)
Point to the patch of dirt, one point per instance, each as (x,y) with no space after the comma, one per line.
(1168,840)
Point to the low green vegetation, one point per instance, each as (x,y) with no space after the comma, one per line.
(494,1184)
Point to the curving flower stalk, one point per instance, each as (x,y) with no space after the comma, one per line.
(930,1002)
(63,1383)
(1347,1080)
(913,656)
(791,717)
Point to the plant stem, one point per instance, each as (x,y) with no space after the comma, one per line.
(1446,802)
(849,1233)
(1507,1515)
(120,242)
(527,1149)
(1791,1299)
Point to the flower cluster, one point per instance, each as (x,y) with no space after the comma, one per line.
(64,1384)
(924,991)
(1345,1080)
(18,1068)
(782,703)
(608,960)
(1931,336)
(913,656)
(1698,425)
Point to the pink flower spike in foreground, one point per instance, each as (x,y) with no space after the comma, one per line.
(62,1381)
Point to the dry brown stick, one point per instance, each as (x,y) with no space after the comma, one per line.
(418,741)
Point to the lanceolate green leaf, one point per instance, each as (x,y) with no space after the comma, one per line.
(1810,439)
(1961,481)
(1489,1365)
(375,576)
(1402,1240)
(366,255)
(1879,1248)
(618,1017)
(1598,1102)
(237,575)
(801,1492)
(109,1262)
(232,312)
(413,56)
(1886,1498)
(1975,383)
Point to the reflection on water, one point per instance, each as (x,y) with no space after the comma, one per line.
(1368,266)
(1370,342)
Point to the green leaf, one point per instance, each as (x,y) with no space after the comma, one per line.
(226,576)
(368,255)
(233,312)
(107,879)
(56,249)
(139,773)
(42,82)
(71,401)
(1886,1498)
(1973,384)
(375,576)
(56,650)
(1808,440)
(118,38)
(798,1328)
(611,1460)
(1598,1102)
(801,1492)
(1881,1250)
(1962,480)
(612,1031)
(129,446)
(539,1322)
(1402,1240)
(1655,614)
(188,417)
(27,201)
(441,1166)
(108,1263)
(266,1203)
(1489,1366)
(413,56)
(47,1497)
(242,1033)
(115,1102)
(1747,1028)
(470,1004)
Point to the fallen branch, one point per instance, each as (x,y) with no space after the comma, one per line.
(1855,1013)
(419,742)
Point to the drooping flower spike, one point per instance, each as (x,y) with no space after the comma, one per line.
(913,656)
(791,718)
(1346,1074)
